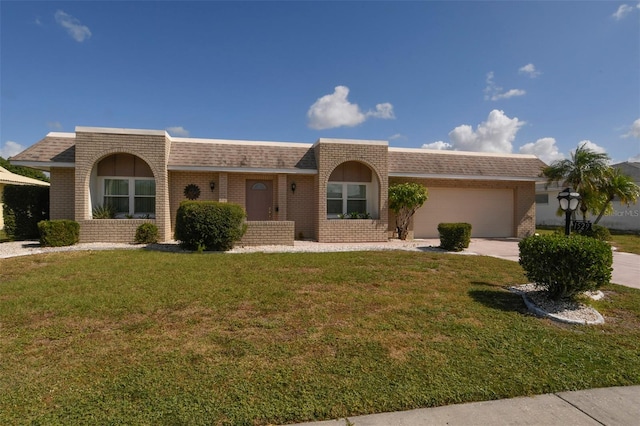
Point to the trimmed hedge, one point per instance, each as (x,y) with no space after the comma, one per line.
(58,233)
(598,232)
(209,225)
(566,266)
(147,233)
(454,236)
(24,206)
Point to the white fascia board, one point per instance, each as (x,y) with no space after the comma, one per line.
(42,165)
(121,131)
(352,141)
(462,177)
(241,170)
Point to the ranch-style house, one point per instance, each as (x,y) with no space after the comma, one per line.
(334,190)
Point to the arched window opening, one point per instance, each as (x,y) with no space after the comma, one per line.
(352,192)
(125,183)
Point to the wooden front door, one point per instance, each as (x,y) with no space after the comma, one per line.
(259,199)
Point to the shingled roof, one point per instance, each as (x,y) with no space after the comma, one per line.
(55,149)
(459,164)
(58,150)
(217,154)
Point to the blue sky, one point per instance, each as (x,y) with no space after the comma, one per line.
(530,77)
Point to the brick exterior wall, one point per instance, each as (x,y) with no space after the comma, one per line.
(268,233)
(179,180)
(302,206)
(110,230)
(92,145)
(330,155)
(61,196)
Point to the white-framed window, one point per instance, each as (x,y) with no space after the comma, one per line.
(129,196)
(346,198)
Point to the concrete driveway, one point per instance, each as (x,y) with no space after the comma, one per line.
(626,266)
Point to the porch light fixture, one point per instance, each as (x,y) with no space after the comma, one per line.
(293,187)
(568,200)
(212,185)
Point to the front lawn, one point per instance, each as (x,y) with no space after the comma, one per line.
(141,337)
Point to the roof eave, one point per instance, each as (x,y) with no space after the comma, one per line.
(179,168)
(463,177)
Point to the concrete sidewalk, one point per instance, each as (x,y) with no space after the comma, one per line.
(604,406)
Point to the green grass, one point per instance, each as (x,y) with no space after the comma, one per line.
(140,337)
(627,242)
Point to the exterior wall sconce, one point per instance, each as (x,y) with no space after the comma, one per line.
(293,187)
(568,200)
(212,185)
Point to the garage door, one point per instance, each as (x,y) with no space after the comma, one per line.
(489,211)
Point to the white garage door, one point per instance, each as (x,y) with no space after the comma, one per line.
(489,211)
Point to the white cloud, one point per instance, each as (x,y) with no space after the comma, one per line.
(529,70)
(494,135)
(623,11)
(494,92)
(10,149)
(54,125)
(74,28)
(384,111)
(397,136)
(438,145)
(335,110)
(592,147)
(634,131)
(635,159)
(545,149)
(178,131)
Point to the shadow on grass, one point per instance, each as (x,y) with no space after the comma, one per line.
(499,299)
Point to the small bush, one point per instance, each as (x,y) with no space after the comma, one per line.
(147,233)
(454,236)
(58,233)
(566,266)
(209,225)
(598,232)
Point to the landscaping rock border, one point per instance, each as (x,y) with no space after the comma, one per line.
(564,311)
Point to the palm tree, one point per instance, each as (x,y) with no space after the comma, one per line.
(618,185)
(585,172)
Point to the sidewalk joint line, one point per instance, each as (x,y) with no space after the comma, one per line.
(579,409)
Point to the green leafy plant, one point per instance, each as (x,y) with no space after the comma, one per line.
(454,236)
(147,233)
(24,207)
(103,212)
(566,266)
(404,200)
(209,225)
(58,233)
(598,232)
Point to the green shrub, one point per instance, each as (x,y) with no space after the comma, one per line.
(454,236)
(147,233)
(566,266)
(209,225)
(24,206)
(58,233)
(598,232)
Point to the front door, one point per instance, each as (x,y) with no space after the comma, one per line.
(259,199)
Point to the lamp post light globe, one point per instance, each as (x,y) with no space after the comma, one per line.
(569,200)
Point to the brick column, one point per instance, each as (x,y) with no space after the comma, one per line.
(281,202)
(223,187)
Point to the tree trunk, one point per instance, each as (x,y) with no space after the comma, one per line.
(603,210)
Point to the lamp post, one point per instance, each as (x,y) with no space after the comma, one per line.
(569,200)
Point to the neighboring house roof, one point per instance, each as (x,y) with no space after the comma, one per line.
(632,169)
(8,178)
(58,150)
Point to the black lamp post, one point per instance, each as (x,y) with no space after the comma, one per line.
(569,200)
